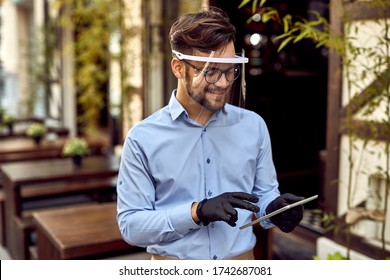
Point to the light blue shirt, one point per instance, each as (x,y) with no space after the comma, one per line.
(170,161)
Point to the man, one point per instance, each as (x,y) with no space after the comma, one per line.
(197,168)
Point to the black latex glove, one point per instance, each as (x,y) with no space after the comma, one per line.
(221,208)
(289,219)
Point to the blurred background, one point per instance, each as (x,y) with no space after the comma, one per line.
(94,68)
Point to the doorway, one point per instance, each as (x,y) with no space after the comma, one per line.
(289,90)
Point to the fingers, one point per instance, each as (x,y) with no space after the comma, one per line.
(222,207)
(293,214)
(231,216)
(240,200)
(286,229)
(287,225)
(290,198)
(284,200)
(296,213)
(236,203)
(288,220)
(245,196)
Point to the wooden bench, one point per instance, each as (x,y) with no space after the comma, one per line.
(40,191)
(79,232)
(25,229)
(34,185)
(99,190)
(42,197)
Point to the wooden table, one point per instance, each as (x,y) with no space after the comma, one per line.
(84,232)
(50,176)
(21,148)
(24,148)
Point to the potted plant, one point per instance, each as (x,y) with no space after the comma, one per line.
(76,148)
(36,130)
(8,120)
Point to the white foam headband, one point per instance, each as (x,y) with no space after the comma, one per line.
(237,59)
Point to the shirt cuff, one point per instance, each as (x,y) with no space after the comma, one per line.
(181,219)
(266,224)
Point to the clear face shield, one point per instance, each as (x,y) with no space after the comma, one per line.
(216,80)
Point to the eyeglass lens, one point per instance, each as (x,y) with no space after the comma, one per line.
(213,75)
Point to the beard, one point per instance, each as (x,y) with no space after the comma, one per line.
(211,97)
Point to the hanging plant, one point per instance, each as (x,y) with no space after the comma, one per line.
(93,22)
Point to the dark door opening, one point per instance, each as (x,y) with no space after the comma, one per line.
(289,90)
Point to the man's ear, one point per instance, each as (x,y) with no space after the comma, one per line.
(177,68)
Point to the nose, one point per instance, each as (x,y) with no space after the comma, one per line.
(222,82)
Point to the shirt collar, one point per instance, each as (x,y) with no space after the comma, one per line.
(175,108)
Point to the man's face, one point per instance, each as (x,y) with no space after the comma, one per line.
(211,96)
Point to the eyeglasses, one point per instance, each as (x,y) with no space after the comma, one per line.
(214,74)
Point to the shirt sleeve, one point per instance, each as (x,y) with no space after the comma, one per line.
(266,186)
(139,222)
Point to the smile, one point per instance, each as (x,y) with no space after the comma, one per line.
(215,92)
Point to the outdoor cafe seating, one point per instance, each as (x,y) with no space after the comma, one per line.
(37,178)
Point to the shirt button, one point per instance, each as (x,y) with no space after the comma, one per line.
(208,160)
(120,182)
(209,193)
(212,225)
(215,257)
(204,129)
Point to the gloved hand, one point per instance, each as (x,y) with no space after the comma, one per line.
(221,208)
(289,219)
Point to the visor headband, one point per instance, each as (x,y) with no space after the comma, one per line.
(237,59)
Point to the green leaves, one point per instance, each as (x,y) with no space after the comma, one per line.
(255,4)
(93,22)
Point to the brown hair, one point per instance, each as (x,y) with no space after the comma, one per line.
(205,31)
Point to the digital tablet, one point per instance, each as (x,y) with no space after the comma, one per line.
(280,210)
